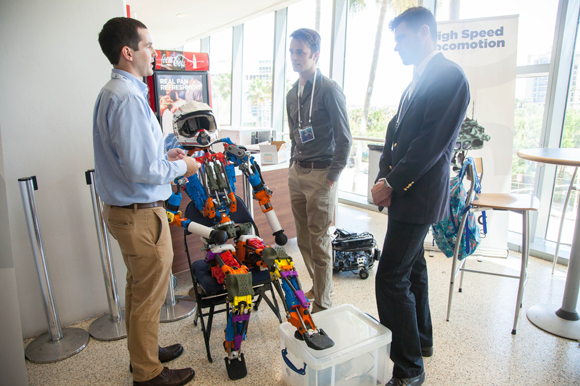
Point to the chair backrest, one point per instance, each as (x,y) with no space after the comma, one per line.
(472,168)
(240,216)
(478,169)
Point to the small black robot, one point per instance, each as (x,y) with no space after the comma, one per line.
(354,252)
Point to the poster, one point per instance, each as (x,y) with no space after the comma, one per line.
(486,49)
(175,90)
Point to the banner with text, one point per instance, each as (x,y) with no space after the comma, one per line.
(486,49)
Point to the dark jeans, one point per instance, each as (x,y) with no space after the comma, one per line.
(403,296)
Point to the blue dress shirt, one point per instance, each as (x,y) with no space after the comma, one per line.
(130,163)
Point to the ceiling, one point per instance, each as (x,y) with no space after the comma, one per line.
(205,17)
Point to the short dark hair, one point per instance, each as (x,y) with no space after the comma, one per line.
(308,36)
(118,33)
(415,18)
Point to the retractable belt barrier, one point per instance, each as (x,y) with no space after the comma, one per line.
(58,343)
(176,307)
(110,326)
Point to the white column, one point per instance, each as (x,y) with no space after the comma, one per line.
(237,80)
(279,70)
(338,41)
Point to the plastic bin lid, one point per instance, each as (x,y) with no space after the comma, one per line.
(352,331)
(373,146)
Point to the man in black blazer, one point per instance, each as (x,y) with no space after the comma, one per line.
(413,182)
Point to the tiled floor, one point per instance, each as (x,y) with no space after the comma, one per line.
(474,348)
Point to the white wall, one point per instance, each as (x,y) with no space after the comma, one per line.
(51,70)
(12,368)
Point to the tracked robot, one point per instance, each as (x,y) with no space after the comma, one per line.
(212,190)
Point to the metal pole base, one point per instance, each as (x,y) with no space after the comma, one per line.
(544,316)
(44,350)
(184,306)
(105,328)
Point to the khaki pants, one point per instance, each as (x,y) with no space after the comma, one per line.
(145,243)
(313,203)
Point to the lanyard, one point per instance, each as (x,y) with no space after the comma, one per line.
(311,99)
(123,77)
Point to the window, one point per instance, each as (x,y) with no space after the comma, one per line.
(221,75)
(529,113)
(257,71)
(391,79)
(570,139)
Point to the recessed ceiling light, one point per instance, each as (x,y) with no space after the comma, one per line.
(182,15)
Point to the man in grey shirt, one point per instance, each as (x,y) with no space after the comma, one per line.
(321,142)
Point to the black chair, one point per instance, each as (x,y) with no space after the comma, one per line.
(208,292)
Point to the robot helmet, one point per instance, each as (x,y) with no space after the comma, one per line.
(194,126)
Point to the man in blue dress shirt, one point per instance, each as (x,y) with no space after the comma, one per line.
(132,176)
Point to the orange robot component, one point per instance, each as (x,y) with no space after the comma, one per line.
(264,199)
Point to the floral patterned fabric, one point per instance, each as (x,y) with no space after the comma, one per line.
(445,231)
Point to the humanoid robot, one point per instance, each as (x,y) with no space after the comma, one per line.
(212,191)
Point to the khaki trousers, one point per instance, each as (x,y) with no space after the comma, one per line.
(313,202)
(145,243)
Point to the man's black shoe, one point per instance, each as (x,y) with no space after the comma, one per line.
(167,354)
(427,351)
(169,378)
(415,381)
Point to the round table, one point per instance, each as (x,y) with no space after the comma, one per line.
(562,321)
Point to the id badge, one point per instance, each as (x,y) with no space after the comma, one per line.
(306,134)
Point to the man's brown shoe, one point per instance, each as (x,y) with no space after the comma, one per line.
(167,354)
(169,377)
(170,353)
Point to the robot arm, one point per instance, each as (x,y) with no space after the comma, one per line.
(174,217)
(242,159)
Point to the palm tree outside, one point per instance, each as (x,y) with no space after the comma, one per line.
(356,6)
(260,94)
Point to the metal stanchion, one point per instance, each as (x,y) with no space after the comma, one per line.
(175,307)
(248,198)
(110,326)
(57,343)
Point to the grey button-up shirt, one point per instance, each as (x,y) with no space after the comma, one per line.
(329,120)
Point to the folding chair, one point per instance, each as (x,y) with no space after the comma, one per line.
(208,292)
(519,203)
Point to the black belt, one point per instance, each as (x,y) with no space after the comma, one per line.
(145,205)
(313,164)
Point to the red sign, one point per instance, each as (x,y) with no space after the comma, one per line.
(182,61)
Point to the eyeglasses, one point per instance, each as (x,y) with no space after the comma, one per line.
(468,144)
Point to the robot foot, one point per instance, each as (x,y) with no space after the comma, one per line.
(298,335)
(318,340)
(236,367)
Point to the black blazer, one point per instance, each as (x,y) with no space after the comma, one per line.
(417,154)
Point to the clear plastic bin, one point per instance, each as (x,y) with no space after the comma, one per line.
(360,355)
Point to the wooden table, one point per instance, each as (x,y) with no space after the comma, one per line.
(563,321)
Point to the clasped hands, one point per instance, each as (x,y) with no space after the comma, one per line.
(177,154)
(381,193)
